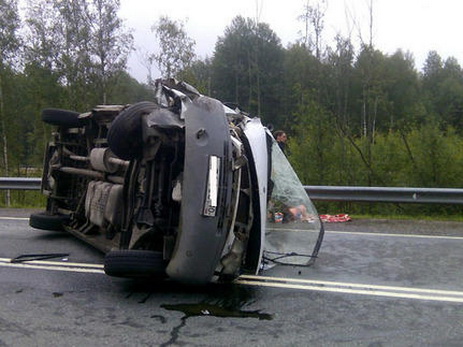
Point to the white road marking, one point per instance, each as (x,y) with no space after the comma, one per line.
(399,235)
(352,285)
(54,265)
(14,218)
(275,282)
(366,291)
(360,233)
(288,283)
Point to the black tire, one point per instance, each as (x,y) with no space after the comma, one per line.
(125,134)
(63,118)
(135,264)
(45,221)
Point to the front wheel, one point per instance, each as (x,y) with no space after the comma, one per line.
(135,264)
(125,133)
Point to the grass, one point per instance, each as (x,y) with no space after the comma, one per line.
(448,218)
(362,210)
(23,199)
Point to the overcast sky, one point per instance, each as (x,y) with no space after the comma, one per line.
(417,26)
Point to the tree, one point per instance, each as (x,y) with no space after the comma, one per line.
(83,41)
(432,66)
(110,44)
(74,60)
(127,90)
(371,103)
(44,41)
(313,140)
(443,88)
(313,16)
(248,68)
(432,78)
(176,48)
(340,79)
(403,92)
(199,74)
(9,44)
(301,71)
(450,96)
(371,80)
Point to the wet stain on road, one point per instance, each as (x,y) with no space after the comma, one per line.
(203,309)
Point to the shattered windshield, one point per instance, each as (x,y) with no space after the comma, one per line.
(294,231)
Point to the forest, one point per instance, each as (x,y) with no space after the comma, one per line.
(355,116)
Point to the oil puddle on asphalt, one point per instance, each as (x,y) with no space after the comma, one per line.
(215,300)
(224,301)
(203,309)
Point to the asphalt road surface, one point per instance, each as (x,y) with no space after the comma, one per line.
(376,283)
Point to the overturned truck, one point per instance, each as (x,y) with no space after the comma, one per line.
(183,187)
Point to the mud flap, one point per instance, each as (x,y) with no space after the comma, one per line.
(206,193)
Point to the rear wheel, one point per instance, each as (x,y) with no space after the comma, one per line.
(135,264)
(45,221)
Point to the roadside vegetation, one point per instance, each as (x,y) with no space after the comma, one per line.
(354,115)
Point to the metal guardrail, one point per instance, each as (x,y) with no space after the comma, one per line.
(20,183)
(386,194)
(321,193)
